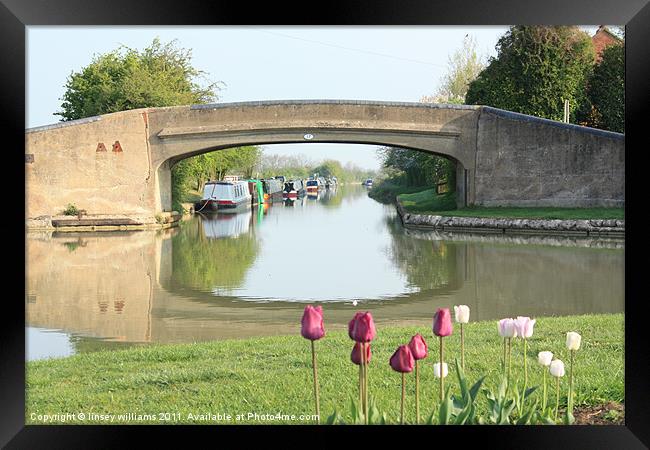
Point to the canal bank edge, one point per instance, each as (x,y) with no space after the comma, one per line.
(102,222)
(587,227)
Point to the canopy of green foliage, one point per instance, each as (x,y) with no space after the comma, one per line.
(537,68)
(124,79)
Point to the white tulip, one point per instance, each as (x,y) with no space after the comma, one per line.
(461,313)
(573,340)
(557,368)
(545,358)
(507,328)
(436,370)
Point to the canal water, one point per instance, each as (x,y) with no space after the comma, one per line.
(222,276)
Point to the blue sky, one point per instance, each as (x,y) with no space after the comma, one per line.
(268,63)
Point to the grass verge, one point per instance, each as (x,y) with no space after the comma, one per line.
(272,375)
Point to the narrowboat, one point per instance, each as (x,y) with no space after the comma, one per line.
(224,195)
(312,186)
(272,190)
(293,189)
(368,182)
(256,191)
(321,183)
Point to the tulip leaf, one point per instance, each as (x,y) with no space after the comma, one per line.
(461,378)
(445,411)
(569,419)
(474,389)
(530,391)
(430,419)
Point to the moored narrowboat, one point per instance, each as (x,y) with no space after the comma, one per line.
(224,195)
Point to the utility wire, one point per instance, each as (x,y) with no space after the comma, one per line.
(352,49)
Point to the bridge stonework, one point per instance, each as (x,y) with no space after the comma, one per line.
(121,163)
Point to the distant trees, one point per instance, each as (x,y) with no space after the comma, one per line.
(416,168)
(463,67)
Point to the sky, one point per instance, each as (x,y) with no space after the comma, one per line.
(268,63)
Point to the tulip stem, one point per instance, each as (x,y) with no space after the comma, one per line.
(462,348)
(360,387)
(525,366)
(544,399)
(401,421)
(442,378)
(313,363)
(557,399)
(417,394)
(570,401)
(504,356)
(509,359)
(365,381)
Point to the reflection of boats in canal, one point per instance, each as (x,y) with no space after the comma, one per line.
(219,225)
(293,189)
(331,183)
(222,195)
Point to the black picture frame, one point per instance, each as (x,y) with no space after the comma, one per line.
(15,15)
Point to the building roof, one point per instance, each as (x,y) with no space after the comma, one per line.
(603,38)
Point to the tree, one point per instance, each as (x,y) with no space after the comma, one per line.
(124,79)
(536,69)
(607,90)
(463,67)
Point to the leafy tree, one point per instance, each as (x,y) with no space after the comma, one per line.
(607,90)
(328,168)
(536,69)
(463,67)
(417,168)
(124,79)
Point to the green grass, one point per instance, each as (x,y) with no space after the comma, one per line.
(428,200)
(273,374)
(385,191)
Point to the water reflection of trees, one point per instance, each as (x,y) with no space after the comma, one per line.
(331,198)
(426,264)
(207,264)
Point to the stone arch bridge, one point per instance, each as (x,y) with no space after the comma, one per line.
(120,163)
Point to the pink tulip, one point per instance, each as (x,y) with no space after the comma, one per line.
(402,360)
(442,322)
(418,347)
(362,328)
(312,323)
(356,354)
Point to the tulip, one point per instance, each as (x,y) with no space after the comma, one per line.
(312,329)
(436,370)
(356,356)
(461,313)
(362,330)
(557,370)
(572,343)
(544,359)
(442,327)
(442,322)
(312,323)
(524,326)
(402,361)
(507,331)
(418,348)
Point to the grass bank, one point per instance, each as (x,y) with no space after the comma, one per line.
(272,375)
(385,191)
(428,202)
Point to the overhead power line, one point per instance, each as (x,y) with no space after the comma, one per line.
(384,55)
